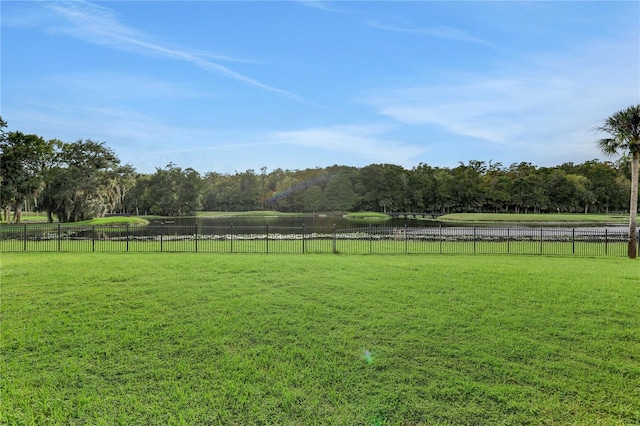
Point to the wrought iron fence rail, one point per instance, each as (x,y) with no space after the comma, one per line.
(607,241)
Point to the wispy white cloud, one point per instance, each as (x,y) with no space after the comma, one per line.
(368,142)
(139,137)
(225,58)
(71,121)
(104,86)
(100,25)
(316,4)
(544,106)
(442,32)
(148,141)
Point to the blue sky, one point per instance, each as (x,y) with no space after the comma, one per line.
(230,86)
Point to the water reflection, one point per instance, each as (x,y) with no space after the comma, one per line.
(341,222)
(319,221)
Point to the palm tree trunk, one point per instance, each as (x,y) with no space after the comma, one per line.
(633,208)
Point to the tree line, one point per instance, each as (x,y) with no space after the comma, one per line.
(477,186)
(74,181)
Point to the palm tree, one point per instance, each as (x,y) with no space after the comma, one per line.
(624,130)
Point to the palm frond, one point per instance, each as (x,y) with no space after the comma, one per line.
(609,146)
(624,129)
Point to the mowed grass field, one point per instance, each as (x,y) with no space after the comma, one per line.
(245,339)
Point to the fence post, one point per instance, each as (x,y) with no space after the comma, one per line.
(541,240)
(440,235)
(161,238)
(508,240)
(304,237)
(474,239)
(196,237)
(266,228)
(24,235)
(59,236)
(606,241)
(232,238)
(406,239)
(93,238)
(334,240)
(127,231)
(573,240)
(370,238)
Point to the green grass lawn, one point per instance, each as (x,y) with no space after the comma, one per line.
(100,338)
(28,217)
(613,248)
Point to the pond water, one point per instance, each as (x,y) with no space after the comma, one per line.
(341,222)
(315,221)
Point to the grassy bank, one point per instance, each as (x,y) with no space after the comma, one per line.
(255,213)
(533,218)
(456,217)
(368,216)
(33,218)
(28,217)
(253,339)
(114,220)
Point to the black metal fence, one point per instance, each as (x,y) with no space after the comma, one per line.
(587,241)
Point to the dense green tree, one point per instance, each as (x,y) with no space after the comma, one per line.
(313,199)
(476,186)
(301,190)
(605,186)
(496,186)
(582,191)
(286,196)
(467,191)
(560,190)
(209,181)
(414,192)
(251,190)
(424,185)
(227,193)
(24,159)
(445,186)
(136,201)
(84,181)
(339,194)
(623,129)
(528,192)
(383,187)
(173,191)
